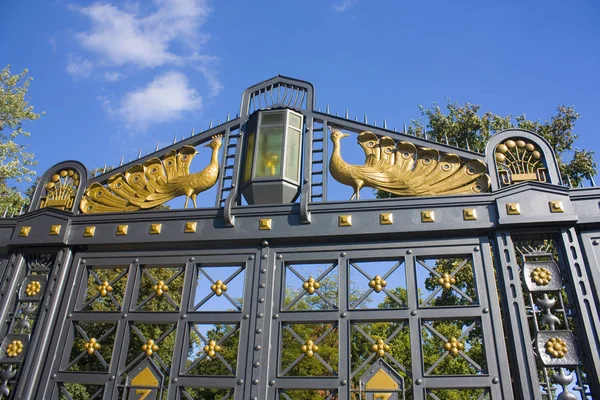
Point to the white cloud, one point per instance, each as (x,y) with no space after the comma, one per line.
(344,5)
(167,98)
(122,37)
(112,76)
(52,41)
(78,67)
(207,65)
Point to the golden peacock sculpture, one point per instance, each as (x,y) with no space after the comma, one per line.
(405,170)
(154,183)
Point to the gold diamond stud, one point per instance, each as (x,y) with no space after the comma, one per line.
(122,230)
(513,209)
(155,229)
(265,224)
(54,230)
(427,216)
(91,346)
(386,219)
(24,231)
(311,285)
(150,347)
(190,227)
(556,206)
(345,220)
(454,346)
(380,347)
(212,348)
(89,231)
(470,214)
(309,348)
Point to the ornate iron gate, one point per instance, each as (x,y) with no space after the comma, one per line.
(486,288)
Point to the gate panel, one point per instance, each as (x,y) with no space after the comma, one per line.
(158,327)
(348,323)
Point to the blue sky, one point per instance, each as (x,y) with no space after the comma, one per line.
(114,77)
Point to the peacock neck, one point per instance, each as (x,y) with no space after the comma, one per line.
(214,158)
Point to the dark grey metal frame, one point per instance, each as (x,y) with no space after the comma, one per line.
(228,233)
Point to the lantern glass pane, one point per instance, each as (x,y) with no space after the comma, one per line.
(249,157)
(276,118)
(295,121)
(268,161)
(292,158)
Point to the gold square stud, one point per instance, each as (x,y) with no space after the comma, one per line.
(122,230)
(513,209)
(54,230)
(265,224)
(89,231)
(427,216)
(155,229)
(386,219)
(556,206)
(24,232)
(345,220)
(469,214)
(190,227)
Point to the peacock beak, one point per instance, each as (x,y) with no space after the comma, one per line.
(343,135)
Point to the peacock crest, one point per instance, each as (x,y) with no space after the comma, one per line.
(154,182)
(405,170)
(61,190)
(519,161)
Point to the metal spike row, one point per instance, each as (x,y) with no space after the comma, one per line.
(569,181)
(395,128)
(346,116)
(384,123)
(468,146)
(446,138)
(356,119)
(228,117)
(104,169)
(21,210)
(174,139)
(123,160)
(5,212)
(327,109)
(157,145)
(592,180)
(210,125)
(336,114)
(140,154)
(192,132)
(365,119)
(405,131)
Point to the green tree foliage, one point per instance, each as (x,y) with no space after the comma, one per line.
(15,162)
(465,125)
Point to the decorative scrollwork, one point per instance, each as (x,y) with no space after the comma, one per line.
(61,190)
(519,161)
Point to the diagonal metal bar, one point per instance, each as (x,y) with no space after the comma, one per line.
(435,364)
(466,332)
(435,332)
(432,295)
(224,361)
(293,364)
(227,395)
(64,391)
(362,366)
(470,360)
(325,364)
(97,394)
